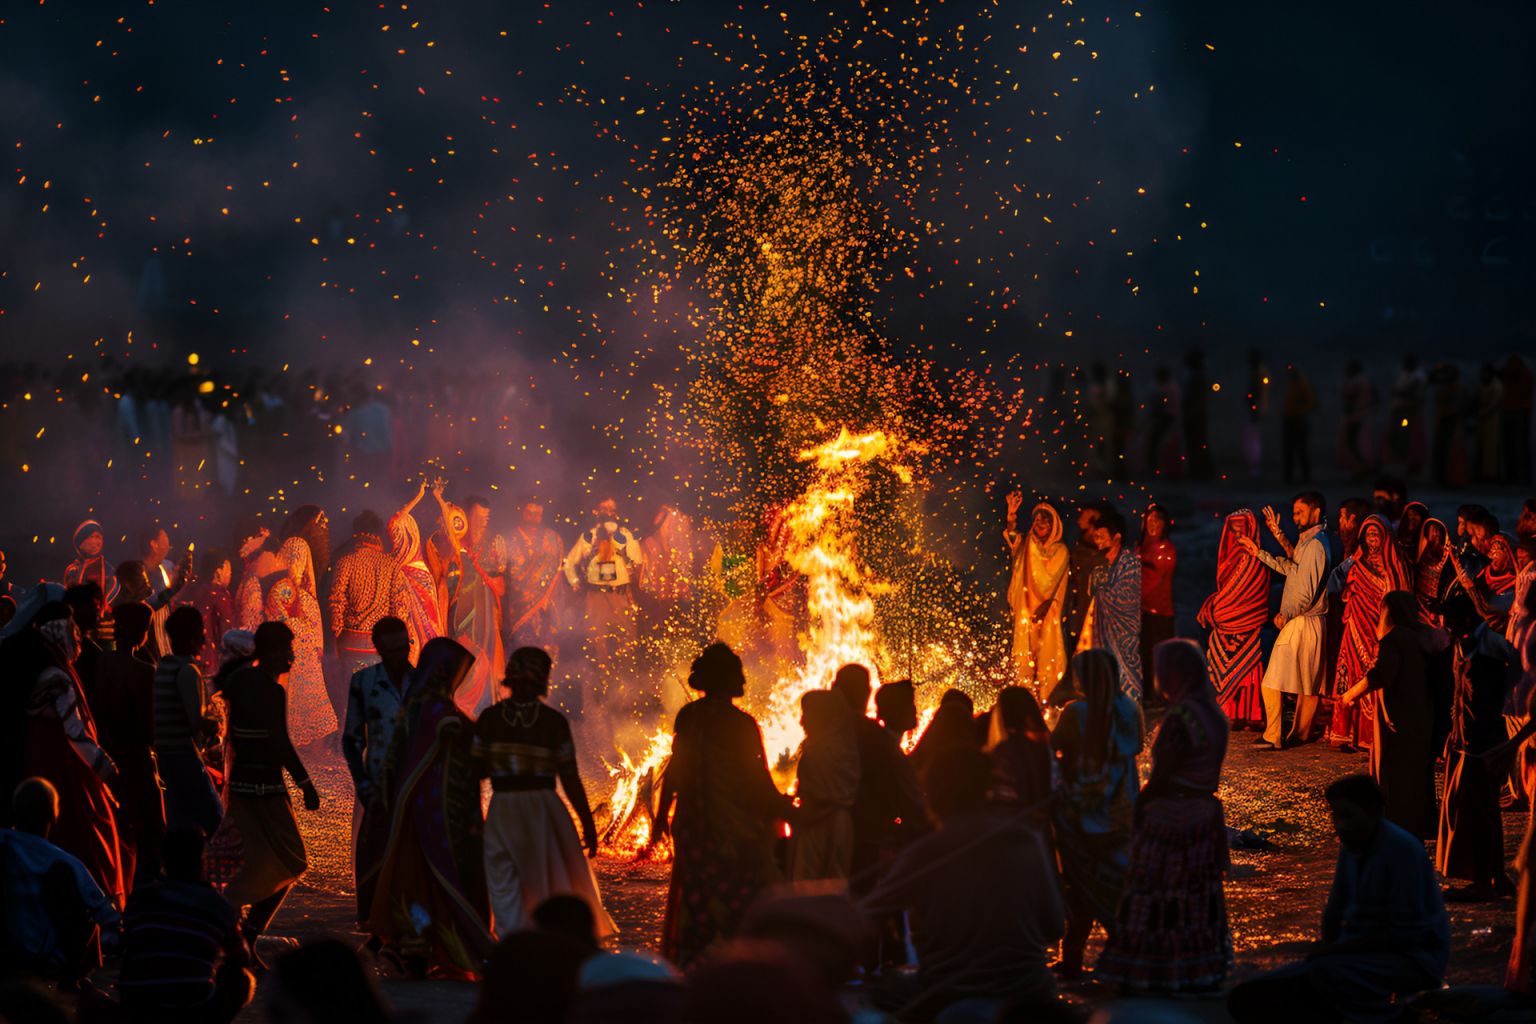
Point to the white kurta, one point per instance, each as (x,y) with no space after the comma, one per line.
(1296,662)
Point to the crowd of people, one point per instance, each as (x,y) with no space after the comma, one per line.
(1434,421)
(159,716)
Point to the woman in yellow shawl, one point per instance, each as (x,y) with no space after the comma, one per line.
(1036,589)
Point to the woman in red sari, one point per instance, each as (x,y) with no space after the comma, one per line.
(1374,572)
(1429,569)
(62,747)
(1234,614)
(430,904)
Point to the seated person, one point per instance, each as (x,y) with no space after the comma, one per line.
(982,896)
(184,958)
(56,916)
(1385,931)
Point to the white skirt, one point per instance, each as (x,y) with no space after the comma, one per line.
(532,852)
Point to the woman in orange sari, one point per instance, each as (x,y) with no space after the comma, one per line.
(430,905)
(1234,614)
(1374,572)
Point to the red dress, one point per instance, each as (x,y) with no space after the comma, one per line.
(62,747)
(1368,584)
(1234,614)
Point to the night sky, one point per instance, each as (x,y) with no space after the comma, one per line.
(316,181)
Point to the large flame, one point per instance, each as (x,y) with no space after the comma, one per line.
(822,545)
(841,589)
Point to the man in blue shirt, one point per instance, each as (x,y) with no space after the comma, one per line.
(1385,932)
(56,916)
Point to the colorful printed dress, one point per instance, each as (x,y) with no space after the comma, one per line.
(310,714)
(533,574)
(423,615)
(1368,583)
(1234,614)
(1039,578)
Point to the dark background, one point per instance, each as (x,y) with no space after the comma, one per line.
(1382,191)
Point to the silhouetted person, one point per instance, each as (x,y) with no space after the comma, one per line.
(55,913)
(184,959)
(1385,933)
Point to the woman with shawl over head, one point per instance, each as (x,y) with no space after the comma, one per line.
(1096,741)
(1403,757)
(1024,775)
(291,601)
(531,850)
(1234,614)
(423,615)
(62,747)
(727,805)
(826,785)
(1374,571)
(1429,569)
(1037,588)
(952,725)
(1171,933)
(430,905)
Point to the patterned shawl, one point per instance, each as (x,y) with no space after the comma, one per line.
(1238,608)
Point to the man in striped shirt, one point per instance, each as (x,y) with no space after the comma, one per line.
(190,799)
(184,958)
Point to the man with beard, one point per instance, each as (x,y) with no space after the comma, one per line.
(534,555)
(1296,660)
(602,566)
(1114,616)
(1085,558)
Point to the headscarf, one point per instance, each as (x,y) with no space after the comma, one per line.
(1098,679)
(1240,602)
(1022,582)
(1180,673)
(441,670)
(404,538)
(1500,581)
(92,568)
(1395,574)
(1429,567)
(301,565)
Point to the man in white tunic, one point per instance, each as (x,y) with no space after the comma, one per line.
(1296,663)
